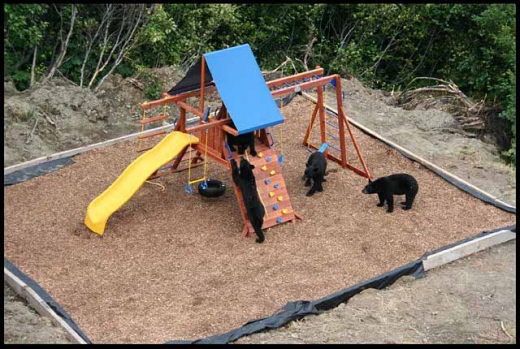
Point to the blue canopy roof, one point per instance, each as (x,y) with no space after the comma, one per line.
(242,88)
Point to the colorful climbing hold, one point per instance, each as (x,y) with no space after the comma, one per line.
(267,181)
(264,168)
(260,155)
(280,198)
(284,211)
(268,159)
(275,207)
(272,172)
(276,186)
(271,194)
(279,220)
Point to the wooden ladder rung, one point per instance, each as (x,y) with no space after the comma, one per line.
(153,134)
(152,119)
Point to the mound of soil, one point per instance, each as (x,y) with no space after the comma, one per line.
(59,115)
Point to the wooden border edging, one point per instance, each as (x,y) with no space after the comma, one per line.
(24,291)
(85,148)
(410,154)
(467,248)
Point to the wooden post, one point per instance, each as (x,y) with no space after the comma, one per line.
(178,160)
(355,144)
(323,135)
(343,145)
(263,137)
(309,128)
(223,150)
(181,123)
(343,117)
(202,84)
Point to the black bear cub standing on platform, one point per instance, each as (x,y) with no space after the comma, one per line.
(315,172)
(396,184)
(245,180)
(241,141)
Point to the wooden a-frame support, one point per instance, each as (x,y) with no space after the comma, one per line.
(315,79)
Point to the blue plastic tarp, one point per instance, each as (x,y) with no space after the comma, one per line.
(242,88)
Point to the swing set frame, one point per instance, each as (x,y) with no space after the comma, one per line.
(212,130)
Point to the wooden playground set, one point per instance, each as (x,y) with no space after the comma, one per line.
(248,102)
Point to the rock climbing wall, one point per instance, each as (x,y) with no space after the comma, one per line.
(271,189)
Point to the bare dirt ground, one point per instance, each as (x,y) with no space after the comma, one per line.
(487,280)
(23,325)
(472,300)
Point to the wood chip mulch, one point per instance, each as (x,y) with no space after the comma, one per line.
(174,266)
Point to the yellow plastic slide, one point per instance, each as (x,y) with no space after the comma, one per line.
(133,177)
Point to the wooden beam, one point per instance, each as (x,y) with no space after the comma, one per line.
(178,159)
(303,86)
(305,75)
(212,153)
(341,125)
(309,128)
(202,127)
(26,292)
(202,84)
(189,108)
(222,112)
(415,157)
(230,129)
(321,112)
(467,248)
(181,121)
(176,98)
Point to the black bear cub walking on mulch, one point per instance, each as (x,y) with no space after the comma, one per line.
(396,184)
(315,172)
(245,180)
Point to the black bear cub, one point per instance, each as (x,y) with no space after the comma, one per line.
(396,184)
(241,141)
(315,172)
(245,180)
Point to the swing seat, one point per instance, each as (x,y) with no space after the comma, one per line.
(213,188)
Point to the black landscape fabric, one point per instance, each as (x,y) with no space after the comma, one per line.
(298,309)
(35,171)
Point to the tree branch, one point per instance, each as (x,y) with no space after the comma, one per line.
(106,15)
(127,45)
(64,44)
(33,65)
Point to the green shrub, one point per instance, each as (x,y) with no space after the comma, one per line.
(152,86)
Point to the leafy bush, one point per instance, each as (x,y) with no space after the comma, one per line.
(152,85)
